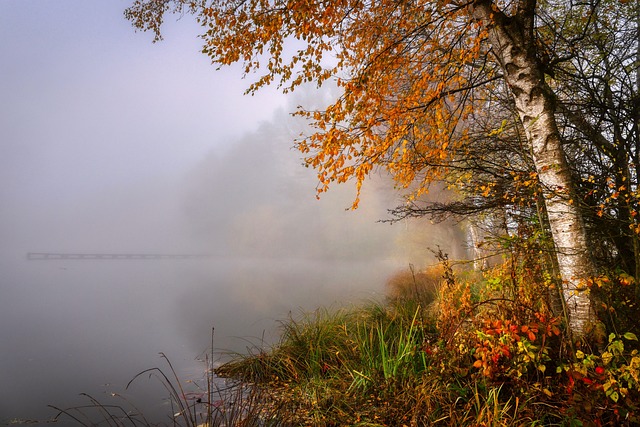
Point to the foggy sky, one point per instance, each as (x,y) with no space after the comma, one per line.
(88,104)
(109,143)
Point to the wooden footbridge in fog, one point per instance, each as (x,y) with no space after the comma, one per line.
(57,256)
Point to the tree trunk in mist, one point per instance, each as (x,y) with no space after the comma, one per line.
(477,252)
(513,45)
(483,232)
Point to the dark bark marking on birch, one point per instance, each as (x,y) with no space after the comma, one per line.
(511,68)
(536,92)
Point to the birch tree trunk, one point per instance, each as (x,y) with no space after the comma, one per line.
(512,43)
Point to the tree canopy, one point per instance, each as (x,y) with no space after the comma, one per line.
(520,104)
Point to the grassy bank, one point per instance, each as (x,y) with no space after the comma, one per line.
(441,349)
(446,351)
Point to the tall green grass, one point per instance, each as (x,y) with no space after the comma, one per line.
(387,349)
(346,366)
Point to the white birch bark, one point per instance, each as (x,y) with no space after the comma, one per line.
(534,101)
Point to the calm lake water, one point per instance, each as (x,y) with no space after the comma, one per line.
(71,327)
